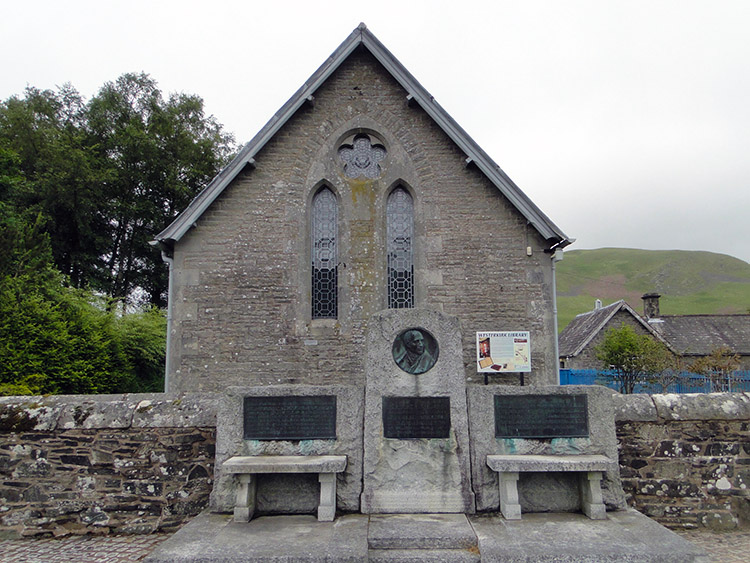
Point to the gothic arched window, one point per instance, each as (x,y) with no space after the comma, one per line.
(400,246)
(324,232)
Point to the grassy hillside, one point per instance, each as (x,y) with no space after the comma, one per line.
(690,282)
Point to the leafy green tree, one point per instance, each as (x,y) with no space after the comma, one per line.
(45,130)
(58,339)
(718,366)
(107,175)
(142,337)
(83,188)
(51,339)
(155,157)
(634,357)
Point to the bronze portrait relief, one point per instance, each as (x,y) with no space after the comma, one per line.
(415,350)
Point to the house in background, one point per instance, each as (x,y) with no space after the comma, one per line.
(689,336)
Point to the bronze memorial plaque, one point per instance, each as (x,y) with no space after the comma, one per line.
(415,351)
(541,416)
(290,418)
(410,418)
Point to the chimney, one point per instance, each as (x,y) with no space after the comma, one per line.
(597,304)
(650,305)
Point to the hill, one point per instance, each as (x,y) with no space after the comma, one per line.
(690,282)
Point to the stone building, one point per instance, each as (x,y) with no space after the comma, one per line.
(360,194)
(688,336)
(578,341)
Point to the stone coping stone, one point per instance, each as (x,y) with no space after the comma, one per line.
(90,414)
(625,535)
(286,464)
(214,538)
(514,462)
(29,415)
(635,408)
(421,531)
(169,411)
(703,406)
(132,410)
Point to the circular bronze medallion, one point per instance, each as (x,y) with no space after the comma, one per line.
(415,350)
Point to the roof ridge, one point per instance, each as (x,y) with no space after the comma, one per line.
(363,36)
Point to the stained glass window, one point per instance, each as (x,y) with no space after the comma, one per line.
(324,232)
(400,234)
(361,158)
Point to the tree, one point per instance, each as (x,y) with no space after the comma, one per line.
(83,188)
(45,130)
(58,339)
(633,357)
(108,175)
(155,156)
(718,367)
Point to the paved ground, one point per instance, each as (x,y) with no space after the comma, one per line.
(726,547)
(80,549)
(723,547)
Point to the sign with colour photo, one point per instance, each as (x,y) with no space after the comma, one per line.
(499,352)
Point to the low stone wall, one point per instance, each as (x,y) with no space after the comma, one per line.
(685,459)
(104,464)
(142,463)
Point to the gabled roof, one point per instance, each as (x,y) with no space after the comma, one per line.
(702,334)
(582,330)
(361,36)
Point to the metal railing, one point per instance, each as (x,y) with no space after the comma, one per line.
(684,382)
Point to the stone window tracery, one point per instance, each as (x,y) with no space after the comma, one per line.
(361,158)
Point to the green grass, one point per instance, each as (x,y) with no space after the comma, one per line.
(690,282)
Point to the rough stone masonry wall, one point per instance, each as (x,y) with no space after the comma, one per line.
(241,292)
(104,464)
(140,463)
(685,459)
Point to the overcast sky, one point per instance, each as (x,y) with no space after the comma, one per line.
(628,123)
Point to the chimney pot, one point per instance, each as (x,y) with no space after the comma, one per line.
(650,305)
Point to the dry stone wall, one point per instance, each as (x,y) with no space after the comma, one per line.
(108,464)
(685,459)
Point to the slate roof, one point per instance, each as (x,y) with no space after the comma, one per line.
(686,335)
(582,330)
(702,334)
(362,37)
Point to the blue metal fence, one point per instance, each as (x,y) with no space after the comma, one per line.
(683,383)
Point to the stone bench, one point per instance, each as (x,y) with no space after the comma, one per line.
(245,467)
(590,467)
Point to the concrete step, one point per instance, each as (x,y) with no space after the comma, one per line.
(420,532)
(424,555)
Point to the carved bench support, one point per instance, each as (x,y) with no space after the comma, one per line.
(509,504)
(246,467)
(244,505)
(590,467)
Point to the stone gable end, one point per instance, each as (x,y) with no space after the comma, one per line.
(242,277)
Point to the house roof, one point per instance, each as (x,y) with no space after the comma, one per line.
(362,37)
(582,330)
(702,334)
(686,335)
